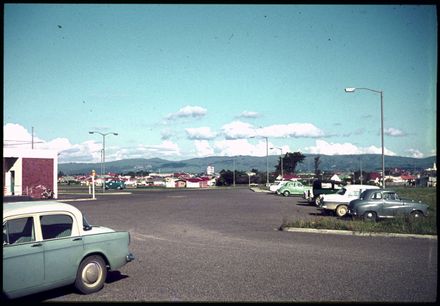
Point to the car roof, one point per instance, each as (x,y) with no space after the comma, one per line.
(368,191)
(30,207)
(360,186)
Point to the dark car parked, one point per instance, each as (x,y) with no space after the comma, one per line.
(323,187)
(374,204)
(115,185)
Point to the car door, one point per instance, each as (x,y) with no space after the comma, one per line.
(288,187)
(392,205)
(376,203)
(62,251)
(299,188)
(23,256)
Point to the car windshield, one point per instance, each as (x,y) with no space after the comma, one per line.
(341,191)
(362,196)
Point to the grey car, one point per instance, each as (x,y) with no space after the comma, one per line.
(375,204)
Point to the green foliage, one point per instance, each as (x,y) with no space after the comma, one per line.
(317,163)
(290,161)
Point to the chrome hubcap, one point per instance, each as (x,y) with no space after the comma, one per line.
(342,211)
(92,274)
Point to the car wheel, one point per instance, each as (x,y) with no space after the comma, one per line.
(341,210)
(415,215)
(286,193)
(317,201)
(91,275)
(370,216)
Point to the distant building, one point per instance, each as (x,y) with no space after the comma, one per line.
(210,170)
(198,182)
(29,172)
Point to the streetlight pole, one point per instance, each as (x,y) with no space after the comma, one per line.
(234,171)
(281,156)
(267,162)
(103,154)
(352,89)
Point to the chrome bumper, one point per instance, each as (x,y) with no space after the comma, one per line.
(129,257)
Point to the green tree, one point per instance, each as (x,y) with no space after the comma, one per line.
(317,163)
(290,161)
(226,178)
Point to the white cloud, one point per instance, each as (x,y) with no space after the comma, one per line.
(202,133)
(165,149)
(249,114)
(291,130)
(88,151)
(232,147)
(394,132)
(16,136)
(203,148)
(238,130)
(415,153)
(188,111)
(166,134)
(326,148)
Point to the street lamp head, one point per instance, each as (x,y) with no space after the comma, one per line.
(350,89)
(91,132)
(116,134)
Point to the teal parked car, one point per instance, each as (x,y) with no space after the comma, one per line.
(115,185)
(49,244)
(293,188)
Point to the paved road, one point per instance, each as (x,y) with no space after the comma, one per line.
(222,245)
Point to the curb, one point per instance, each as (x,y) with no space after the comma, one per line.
(75,200)
(354,233)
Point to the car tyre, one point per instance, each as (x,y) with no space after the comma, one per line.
(341,210)
(91,274)
(415,215)
(370,216)
(286,193)
(317,201)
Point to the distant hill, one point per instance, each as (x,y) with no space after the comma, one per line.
(332,163)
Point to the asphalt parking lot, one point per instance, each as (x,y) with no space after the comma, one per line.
(223,245)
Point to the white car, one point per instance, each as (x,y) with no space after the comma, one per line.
(277,184)
(339,201)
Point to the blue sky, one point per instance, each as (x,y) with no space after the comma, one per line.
(183,81)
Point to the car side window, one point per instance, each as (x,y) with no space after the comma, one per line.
(354,193)
(390,196)
(377,196)
(18,230)
(56,226)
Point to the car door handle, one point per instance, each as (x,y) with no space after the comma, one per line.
(77,239)
(36,245)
